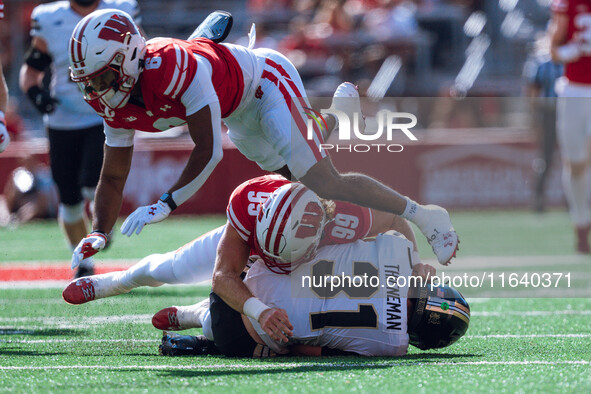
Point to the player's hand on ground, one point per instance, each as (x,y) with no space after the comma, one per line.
(276,323)
(89,246)
(425,271)
(145,215)
(4,137)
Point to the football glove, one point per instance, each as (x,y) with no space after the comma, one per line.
(145,215)
(4,137)
(42,99)
(88,247)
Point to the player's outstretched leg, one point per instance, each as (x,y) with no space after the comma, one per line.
(191,263)
(177,318)
(90,288)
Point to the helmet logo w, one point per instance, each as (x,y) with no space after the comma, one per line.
(116,29)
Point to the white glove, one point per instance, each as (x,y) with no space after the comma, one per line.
(88,247)
(145,215)
(4,137)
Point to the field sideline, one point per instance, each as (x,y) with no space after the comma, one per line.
(513,344)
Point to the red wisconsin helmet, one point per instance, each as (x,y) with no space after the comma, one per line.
(289,226)
(105,52)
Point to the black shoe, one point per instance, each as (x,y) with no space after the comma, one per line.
(84,271)
(186,345)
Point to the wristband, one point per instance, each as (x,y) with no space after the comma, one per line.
(98,232)
(167,198)
(253,308)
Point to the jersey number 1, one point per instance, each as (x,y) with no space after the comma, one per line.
(364,317)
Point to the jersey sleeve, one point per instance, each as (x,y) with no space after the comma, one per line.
(118,137)
(237,212)
(200,91)
(351,223)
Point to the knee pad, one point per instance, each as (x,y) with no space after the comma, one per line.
(71,213)
(88,193)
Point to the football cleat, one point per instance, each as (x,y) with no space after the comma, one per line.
(90,288)
(186,345)
(79,291)
(167,319)
(346,99)
(440,233)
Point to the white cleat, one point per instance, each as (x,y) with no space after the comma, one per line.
(440,233)
(346,99)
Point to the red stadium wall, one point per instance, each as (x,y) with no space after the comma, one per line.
(474,169)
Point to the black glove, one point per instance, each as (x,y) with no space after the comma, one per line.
(42,99)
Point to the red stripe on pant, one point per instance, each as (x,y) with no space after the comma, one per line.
(296,115)
(299,95)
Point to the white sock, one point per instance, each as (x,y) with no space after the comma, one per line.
(153,270)
(192,316)
(206,325)
(417,214)
(575,190)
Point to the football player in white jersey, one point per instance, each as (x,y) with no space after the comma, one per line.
(75,131)
(4,137)
(372,314)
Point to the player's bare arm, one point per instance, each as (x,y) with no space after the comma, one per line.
(204,128)
(561,50)
(107,202)
(231,260)
(32,73)
(30,76)
(109,192)
(202,134)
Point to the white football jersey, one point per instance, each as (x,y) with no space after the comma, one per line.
(369,320)
(54,23)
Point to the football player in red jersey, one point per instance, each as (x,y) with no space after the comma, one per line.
(571,44)
(194,262)
(152,86)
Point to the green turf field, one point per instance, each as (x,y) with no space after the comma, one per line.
(513,344)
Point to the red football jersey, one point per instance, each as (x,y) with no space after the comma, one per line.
(579,19)
(169,70)
(350,224)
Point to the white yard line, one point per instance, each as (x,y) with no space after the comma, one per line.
(86,321)
(255,367)
(157,340)
(530,313)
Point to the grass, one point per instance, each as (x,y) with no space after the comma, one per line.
(488,233)
(513,344)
